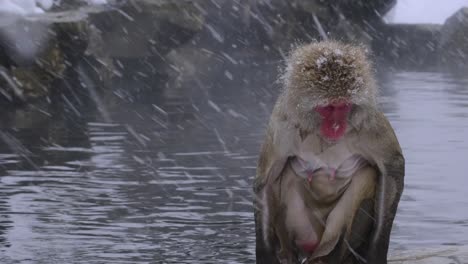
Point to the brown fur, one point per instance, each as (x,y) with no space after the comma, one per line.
(316,74)
(319,72)
(330,70)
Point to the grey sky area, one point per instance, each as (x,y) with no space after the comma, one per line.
(424,11)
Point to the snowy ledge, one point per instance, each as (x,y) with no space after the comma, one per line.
(43,10)
(74,15)
(442,255)
(27,7)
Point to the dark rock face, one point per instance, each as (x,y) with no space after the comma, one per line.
(406,46)
(35,55)
(363,10)
(152,29)
(145,34)
(454,40)
(139,29)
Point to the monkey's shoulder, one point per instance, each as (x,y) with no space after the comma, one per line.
(384,132)
(284,133)
(379,141)
(277,147)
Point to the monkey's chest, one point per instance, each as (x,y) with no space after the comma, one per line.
(328,172)
(335,168)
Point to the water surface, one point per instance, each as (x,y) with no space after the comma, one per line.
(165,177)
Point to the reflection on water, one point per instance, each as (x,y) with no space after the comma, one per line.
(168,180)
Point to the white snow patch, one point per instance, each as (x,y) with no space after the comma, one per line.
(216,35)
(214,106)
(360,80)
(236,114)
(21,7)
(27,7)
(228,75)
(160,110)
(322,32)
(233,61)
(45,4)
(338,52)
(199,153)
(320,61)
(97,2)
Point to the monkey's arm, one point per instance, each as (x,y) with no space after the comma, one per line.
(280,143)
(273,157)
(391,165)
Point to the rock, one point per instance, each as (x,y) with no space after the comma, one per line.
(37,51)
(408,46)
(454,40)
(359,10)
(75,4)
(139,35)
(140,29)
(29,70)
(146,35)
(21,41)
(346,20)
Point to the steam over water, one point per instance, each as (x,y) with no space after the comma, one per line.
(168,179)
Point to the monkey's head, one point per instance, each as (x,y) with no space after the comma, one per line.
(329,85)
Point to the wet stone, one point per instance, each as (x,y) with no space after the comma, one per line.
(29,72)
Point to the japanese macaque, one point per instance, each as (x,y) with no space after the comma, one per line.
(330,172)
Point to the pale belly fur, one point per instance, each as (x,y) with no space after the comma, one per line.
(315,183)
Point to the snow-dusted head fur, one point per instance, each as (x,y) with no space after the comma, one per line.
(330,70)
(321,72)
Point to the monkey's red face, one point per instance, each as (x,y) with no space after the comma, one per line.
(334,119)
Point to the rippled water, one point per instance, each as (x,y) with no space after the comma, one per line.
(167,179)
(430,115)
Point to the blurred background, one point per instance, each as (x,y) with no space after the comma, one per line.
(129,130)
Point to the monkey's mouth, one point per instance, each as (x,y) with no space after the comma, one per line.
(332,129)
(336,126)
(334,119)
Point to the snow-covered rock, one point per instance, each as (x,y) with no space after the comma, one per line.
(26,7)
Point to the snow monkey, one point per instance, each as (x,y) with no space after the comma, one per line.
(330,172)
